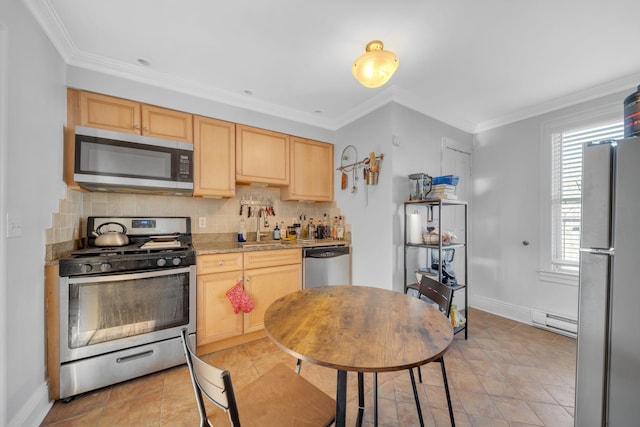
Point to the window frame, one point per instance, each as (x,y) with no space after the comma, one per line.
(588,118)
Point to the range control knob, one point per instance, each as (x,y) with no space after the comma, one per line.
(86,268)
(161,262)
(105,266)
(176,261)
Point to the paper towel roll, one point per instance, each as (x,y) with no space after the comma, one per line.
(415,228)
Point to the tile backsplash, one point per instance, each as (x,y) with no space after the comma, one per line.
(221,215)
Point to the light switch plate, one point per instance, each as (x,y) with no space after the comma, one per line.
(202,222)
(14,224)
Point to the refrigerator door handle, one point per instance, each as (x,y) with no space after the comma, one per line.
(598,251)
(593,339)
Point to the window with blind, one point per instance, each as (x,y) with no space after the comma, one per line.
(566,185)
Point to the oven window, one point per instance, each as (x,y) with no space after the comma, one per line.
(106,311)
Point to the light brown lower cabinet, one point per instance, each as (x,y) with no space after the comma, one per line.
(215,317)
(265,275)
(265,285)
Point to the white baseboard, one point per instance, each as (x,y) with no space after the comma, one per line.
(501,308)
(34,410)
(517,313)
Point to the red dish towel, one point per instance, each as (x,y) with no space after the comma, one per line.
(239,299)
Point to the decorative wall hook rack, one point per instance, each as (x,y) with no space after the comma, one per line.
(349,163)
(365,161)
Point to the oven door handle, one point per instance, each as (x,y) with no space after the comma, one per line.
(134,356)
(114,277)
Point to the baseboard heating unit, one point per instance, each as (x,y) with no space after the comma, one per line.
(552,322)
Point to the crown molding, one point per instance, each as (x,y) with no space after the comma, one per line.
(422,105)
(51,24)
(589,94)
(151,77)
(382,98)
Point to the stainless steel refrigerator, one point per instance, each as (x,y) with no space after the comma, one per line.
(608,355)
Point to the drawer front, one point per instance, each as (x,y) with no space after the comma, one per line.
(272,258)
(97,372)
(218,263)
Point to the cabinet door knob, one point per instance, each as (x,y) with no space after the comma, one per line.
(220,262)
(136,126)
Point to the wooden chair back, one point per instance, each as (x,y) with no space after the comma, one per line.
(214,382)
(277,397)
(437,292)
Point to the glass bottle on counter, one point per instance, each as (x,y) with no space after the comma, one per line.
(334,228)
(276,233)
(311,232)
(305,230)
(320,230)
(326,227)
(242,232)
(340,233)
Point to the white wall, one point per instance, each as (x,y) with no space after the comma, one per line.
(35,114)
(369,209)
(4,71)
(507,166)
(419,140)
(377,212)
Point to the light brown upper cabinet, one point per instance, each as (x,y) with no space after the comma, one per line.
(311,171)
(122,115)
(107,112)
(214,159)
(262,156)
(167,124)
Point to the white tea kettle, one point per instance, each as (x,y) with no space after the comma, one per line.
(111,237)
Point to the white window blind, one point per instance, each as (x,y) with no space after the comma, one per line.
(566,185)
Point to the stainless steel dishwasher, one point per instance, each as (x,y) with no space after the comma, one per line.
(326,265)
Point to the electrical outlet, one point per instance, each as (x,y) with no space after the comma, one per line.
(202,222)
(14,224)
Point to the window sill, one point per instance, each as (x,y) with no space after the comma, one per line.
(568,279)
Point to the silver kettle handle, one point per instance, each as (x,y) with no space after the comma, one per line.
(99,229)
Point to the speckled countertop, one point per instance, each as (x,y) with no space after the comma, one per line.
(209,244)
(213,246)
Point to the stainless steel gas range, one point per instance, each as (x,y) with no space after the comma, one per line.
(122,307)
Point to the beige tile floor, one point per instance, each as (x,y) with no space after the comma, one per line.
(505,374)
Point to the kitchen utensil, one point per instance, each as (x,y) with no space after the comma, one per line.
(420,185)
(373,162)
(348,161)
(348,158)
(110,237)
(354,188)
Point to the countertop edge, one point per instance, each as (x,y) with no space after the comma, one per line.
(207,248)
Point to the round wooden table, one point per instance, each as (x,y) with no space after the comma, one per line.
(357,328)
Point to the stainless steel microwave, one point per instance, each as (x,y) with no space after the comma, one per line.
(126,163)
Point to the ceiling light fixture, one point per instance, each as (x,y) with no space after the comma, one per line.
(376,66)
